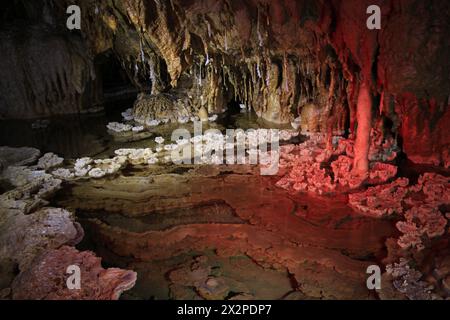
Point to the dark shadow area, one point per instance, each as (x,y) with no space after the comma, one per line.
(117,87)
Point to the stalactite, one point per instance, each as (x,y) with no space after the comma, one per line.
(225,42)
(258,70)
(209,29)
(258,25)
(285,74)
(200,75)
(142,52)
(352,90)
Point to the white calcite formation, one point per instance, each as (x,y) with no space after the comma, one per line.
(286,135)
(128,115)
(128,132)
(83,166)
(109,166)
(159,140)
(210,147)
(137,156)
(119,127)
(183,120)
(137,129)
(213,118)
(49,161)
(97,173)
(99,168)
(63,174)
(170,147)
(152,123)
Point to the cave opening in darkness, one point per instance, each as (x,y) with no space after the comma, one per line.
(112,74)
(221,150)
(116,85)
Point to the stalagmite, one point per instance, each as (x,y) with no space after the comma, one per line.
(142,53)
(152,76)
(285,74)
(225,42)
(209,29)
(362,142)
(260,40)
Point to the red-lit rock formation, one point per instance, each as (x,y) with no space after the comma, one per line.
(381,200)
(47,278)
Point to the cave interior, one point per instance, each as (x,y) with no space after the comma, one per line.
(225,149)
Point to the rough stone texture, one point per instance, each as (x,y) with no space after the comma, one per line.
(17,156)
(44,73)
(306,165)
(408,281)
(421,222)
(425,217)
(423,103)
(47,277)
(32,192)
(381,201)
(23,237)
(312,61)
(276,57)
(49,161)
(157,107)
(31,238)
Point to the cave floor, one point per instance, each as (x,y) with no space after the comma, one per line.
(221,232)
(211,232)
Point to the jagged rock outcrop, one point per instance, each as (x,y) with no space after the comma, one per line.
(23,237)
(35,241)
(47,278)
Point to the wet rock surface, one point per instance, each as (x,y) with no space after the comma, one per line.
(280,235)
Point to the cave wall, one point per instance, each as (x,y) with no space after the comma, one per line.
(285,57)
(45,71)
